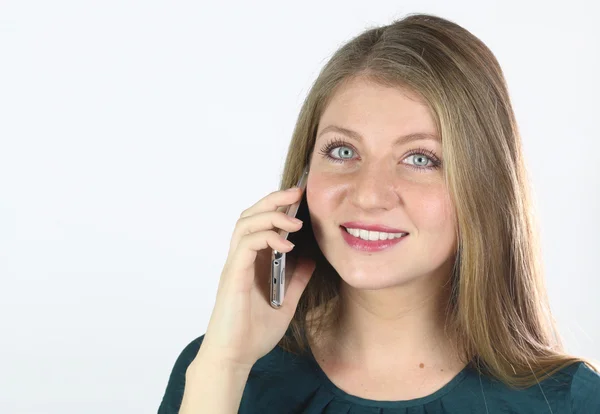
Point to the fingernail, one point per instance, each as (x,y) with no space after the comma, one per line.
(289,243)
(295,220)
(292,189)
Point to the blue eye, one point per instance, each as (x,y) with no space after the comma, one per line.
(339,150)
(419,156)
(428,157)
(343,152)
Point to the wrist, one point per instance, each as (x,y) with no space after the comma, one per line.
(209,360)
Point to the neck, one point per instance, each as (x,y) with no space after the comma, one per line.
(405,321)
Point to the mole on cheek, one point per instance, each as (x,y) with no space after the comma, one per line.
(421,365)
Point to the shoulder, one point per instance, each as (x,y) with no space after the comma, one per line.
(574,389)
(173,394)
(585,390)
(278,376)
(186,356)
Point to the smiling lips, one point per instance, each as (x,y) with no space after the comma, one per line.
(371,237)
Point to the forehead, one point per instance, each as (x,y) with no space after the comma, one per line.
(367,106)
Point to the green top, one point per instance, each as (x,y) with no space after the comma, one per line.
(282,382)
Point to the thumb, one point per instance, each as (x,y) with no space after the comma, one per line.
(300,278)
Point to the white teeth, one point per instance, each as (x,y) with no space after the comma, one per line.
(373,235)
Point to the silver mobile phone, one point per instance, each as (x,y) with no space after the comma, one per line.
(280,273)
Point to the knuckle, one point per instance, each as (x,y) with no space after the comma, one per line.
(275,234)
(243,243)
(240,222)
(281,216)
(288,220)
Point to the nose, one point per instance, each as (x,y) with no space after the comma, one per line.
(373,189)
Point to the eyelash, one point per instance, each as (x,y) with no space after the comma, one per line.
(337,142)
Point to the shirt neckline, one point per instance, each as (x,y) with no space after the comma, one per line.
(449,386)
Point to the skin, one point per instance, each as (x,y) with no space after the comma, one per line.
(389,343)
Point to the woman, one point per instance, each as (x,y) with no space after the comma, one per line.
(419,286)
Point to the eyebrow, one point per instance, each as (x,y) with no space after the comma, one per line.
(401,139)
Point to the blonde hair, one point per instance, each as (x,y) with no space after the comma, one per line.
(498,310)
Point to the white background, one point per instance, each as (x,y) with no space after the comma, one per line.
(133,133)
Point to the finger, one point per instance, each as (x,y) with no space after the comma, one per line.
(245,254)
(263,221)
(273,200)
(300,278)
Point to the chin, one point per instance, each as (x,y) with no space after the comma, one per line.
(368,276)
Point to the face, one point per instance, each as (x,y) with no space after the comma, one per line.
(379,184)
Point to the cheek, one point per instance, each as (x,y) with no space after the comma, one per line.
(317,200)
(321,193)
(321,196)
(430,211)
(433,216)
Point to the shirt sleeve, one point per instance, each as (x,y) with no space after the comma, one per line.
(585,391)
(171,401)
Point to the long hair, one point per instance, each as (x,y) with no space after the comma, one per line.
(498,310)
